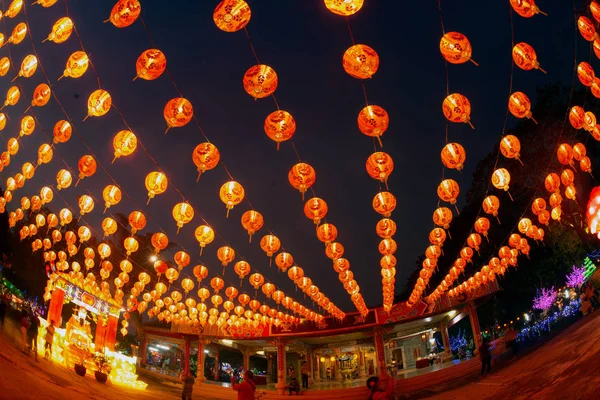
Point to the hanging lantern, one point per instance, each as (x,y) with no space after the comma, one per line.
(453,156)
(544,217)
(474,241)
(124,13)
(457,108)
(45,154)
(302,176)
(62,131)
(555,199)
(111,195)
(538,205)
(585,164)
(552,182)
(156,183)
(178,112)
(284,261)
(526,8)
(160,267)
(384,203)
(490,205)
(587,29)
(13,94)
(380,166)
(482,225)
(280,126)
(520,106)
(456,48)
(27,126)
(567,177)
(232,15)
(442,217)
(373,121)
(86,204)
(12,146)
(160,241)
(525,57)
(242,269)
(124,144)
(41,96)
(270,244)
(564,153)
(63,179)
(182,214)
(260,81)
(437,236)
(501,179)
(137,221)
(585,73)
(28,66)
(99,103)
(579,151)
(344,8)
(510,147)
(66,217)
(252,221)
(171,274)
(77,65)
(205,156)
(18,33)
(83,233)
(4,65)
(182,259)
(131,245)
(571,192)
(3,119)
(327,233)
(448,190)
(61,30)
(204,235)
(87,167)
(200,272)
(232,194)
(589,121)
(556,213)
(385,228)
(360,61)
(46,195)
(14,8)
(387,247)
(150,65)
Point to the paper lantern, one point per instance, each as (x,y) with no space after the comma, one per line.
(137,221)
(442,216)
(76,66)
(182,259)
(595,9)
(280,126)
(453,156)
(302,176)
(63,179)
(520,106)
(380,166)
(45,154)
(160,241)
(490,205)
(552,182)
(28,170)
(3,118)
(387,247)
(124,144)
(182,214)
(457,108)
(87,167)
(260,81)
(384,203)
(589,121)
(585,73)
(156,183)
(585,164)
(437,236)
(242,269)
(111,195)
(576,117)
(204,235)
(66,217)
(538,205)
(124,13)
(19,180)
(525,57)
(295,273)
(27,126)
(448,190)
(150,65)
(46,195)
(327,233)
(160,267)
(373,121)
(252,221)
(473,241)
(4,65)
(256,280)
(284,260)
(62,131)
(61,30)
(231,194)
(571,192)
(99,103)
(587,29)
(200,272)
(270,244)
(564,153)
(13,94)
(18,33)
(510,147)
(28,66)
(344,8)
(41,95)
(178,112)
(456,48)
(12,146)
(5,159)
(232,15)
(385,228)
(482,225)
(526,8)
(555,199)
(205,156)
(501,179)
(131,245)
(579,151)
(360,61)
(86,204)
(171,274)
(14,8)
(567,177)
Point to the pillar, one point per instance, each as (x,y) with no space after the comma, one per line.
(143,351)
(363,364)
(186,361)
(445,338)
(246,354)
(309,360)
(217,366)
(316,369)
(55,307)
(280,386)
(472,310)
(100,338)
(111,332)
(270,367)
(338,372)
(380,351)
(200,379)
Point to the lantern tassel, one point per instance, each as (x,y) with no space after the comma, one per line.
(449,235)
(201,249)
(223,271)
(542,69)
(533,119)
(113,160)
(62,76)
(509,195)
(198,178)
(249,238)
(168,127)
(178,227)
(134,78)
(487,238)
(28,108)
(470,124)
(15,78)
(474,62)
(379,140)
(270,261)
(277,143)
(241,281)
(456,207)
(543,13)
(108,20)
(498,219)
(148,202)
(520,162)
(227,215)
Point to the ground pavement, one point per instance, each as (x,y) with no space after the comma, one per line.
(564,368)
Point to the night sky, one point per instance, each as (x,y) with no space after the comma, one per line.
(304,43)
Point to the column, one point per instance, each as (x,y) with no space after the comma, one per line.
(186,361)
(309,360)
(100,334)
(472,310)
(280,386)
(363,364)
(445,339)
(55,307)
(269,367)
(316,369)
(111,332)
(217,366)
(201,358)
(380,351)
(338,372)
(246,354)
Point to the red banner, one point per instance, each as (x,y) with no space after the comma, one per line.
(400,312)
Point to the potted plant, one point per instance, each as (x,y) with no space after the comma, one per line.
(80,366)
(102,367)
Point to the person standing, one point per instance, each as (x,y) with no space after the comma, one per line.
(24,326)
(246,388)
(34,327)
(486,356)
(49,340)
(304,371)
(188,387)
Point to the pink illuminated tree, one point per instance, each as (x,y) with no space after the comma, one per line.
(544,299)
(576,277)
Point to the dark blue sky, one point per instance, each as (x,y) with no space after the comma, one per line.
(304,43)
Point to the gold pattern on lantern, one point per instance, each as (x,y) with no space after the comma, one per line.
(111,195)
(41,96)
(380,166)
(61,30)
(45,154)
(87,167)
(18,33)
(453,156)
(302,176)
(315,209)
(124,144)
(260,81)
(456,48)
(76,66)
(205,156)
(270,244)
(442,216)
(457,108)
(384,203)
(587,29)
(232,15)
(86,205)
(283,261)
(510,147)
(525,57)
(344,8)
(62,131)
(14,8)
(520,106)
(27,126)
(13,94)
(28,67)
(150,65)
(231,194)
(156,183)
(501,180)
(182,214)
(252,221)
(98,104)
(177,113)
(124,13)
(327,233)
(360,61)
(448,191)
(373,121)
(490,206)
(526,8)
(63,179)
(280,126)
(204,235)
(137,221)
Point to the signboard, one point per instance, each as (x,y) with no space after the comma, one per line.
(400,312)
(87,300)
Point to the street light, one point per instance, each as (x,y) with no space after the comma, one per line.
(153,258)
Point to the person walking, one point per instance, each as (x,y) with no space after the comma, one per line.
(49,339)
(304,371)
(33,330)
(486,356)
(246,388)
(188,387)
(24,326)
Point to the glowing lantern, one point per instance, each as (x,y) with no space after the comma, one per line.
(200,272)
(576,117)
(204,235)
(66,217)
(178,112)
(160,267)
(205,156)
(41,95)
(437,236)
(556,213)
(27,126)
(124,144)
(442,217)
(567,177)
(585,73)
(124,13)
(490,205)
(564,153)
(40,220)
(373,121)
(61,30)
(453,156)
(270,244)
(63,179)
(28,66)
(86,204)
(14,8)
(295,273)
(538,205)
(217,284)
(232,194)
(385,228)
(87,167)
(555,199)
(182,214)
(99,103)
(571,192)
(5,159)
(448,191)
(387,247)
(3,119)
(482,226)
(225,254)
(62,131)
(18,33)
(587,29)
(510,147)
(456,48)
(156,183)
(182,259)
(589,121)
(344,8)
(150,65)
(111,195)
(4,65)
(552,182)
(525,57)
(284,261)
(520,106)
(379,166)
(360,61)
(171,274)
(327,233)
(585,164)
(384,203)
(12,146)
(302,176)
(84,234)
(526,8)
(232,15)
(103,250)
(242,269)
(473,241)
(19,180)
(579,151)
(160,241)
(260,81)
(501,179)
(137,221)
(131,245)
(13,94)
(46,195)
(76,66)
(252,221)
(280,126)
(45,154)
(457,108)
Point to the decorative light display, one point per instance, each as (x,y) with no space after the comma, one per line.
(544,299)
(576,277)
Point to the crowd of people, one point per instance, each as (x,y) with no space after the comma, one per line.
(589,298)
